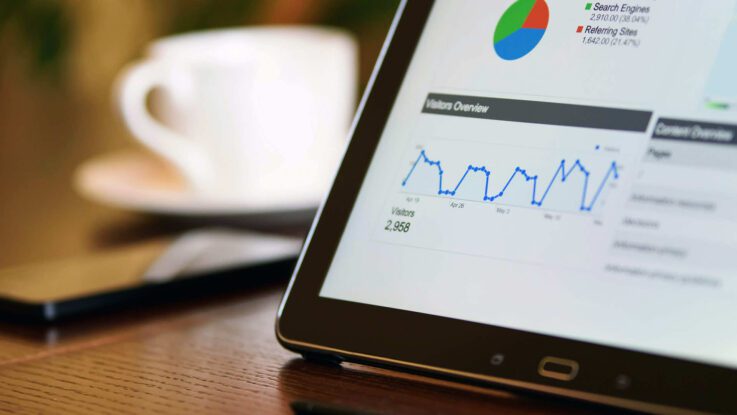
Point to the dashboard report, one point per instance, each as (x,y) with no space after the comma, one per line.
(560,167)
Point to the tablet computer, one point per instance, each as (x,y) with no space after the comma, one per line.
(540,194)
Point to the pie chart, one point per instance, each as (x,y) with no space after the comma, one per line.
(521,28)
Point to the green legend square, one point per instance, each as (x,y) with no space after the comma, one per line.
(588,6)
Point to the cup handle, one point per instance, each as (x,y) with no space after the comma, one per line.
(135,84)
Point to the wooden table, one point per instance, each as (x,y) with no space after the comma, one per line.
(217,355)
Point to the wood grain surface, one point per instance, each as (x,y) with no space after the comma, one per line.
(212,356)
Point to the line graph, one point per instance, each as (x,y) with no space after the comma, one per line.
(561,175)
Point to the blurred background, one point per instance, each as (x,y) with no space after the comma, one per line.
(58,62)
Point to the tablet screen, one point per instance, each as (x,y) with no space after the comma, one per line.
(563,167)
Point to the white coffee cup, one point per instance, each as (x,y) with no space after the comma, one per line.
(257,114)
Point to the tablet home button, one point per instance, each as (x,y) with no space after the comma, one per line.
(557,368)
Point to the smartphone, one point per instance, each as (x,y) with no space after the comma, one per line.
(196,263)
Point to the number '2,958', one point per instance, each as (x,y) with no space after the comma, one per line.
(397,226)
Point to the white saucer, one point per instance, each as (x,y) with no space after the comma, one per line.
(137,181)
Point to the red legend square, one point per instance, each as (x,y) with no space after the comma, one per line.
(580,29)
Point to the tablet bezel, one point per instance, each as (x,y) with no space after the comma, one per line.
(409,340)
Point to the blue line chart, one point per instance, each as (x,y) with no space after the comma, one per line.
(561,174)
